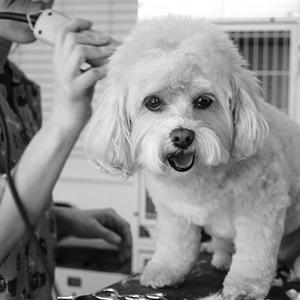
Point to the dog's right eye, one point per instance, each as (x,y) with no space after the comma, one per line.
(153,103)
(203,102)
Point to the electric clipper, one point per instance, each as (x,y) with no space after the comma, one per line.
(45,24)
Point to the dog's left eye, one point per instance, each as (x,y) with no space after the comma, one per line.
(153,103)
(202,102)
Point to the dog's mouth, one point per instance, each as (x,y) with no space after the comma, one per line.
(182,162)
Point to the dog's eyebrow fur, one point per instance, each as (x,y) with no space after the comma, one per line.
(193,90)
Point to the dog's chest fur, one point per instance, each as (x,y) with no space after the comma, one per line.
(219,224)
(207,205)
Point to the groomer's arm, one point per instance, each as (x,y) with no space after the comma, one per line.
(40,166)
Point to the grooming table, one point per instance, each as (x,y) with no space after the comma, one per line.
(203,281)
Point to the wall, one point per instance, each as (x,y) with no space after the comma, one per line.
(221,8)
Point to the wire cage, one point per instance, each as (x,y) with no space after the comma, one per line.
(268,55)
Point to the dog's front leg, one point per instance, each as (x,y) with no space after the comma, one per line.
(254,263)
(177,248)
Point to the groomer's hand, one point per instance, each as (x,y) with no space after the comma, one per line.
(75,44)
(99,223)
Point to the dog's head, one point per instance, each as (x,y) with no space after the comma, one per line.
(177,98)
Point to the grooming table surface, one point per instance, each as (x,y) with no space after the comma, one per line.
(203,281)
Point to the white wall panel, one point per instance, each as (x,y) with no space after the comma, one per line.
(221,8)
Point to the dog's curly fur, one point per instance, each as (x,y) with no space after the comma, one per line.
(181,107)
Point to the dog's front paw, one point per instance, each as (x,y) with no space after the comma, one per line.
(239,289)
(221,261)
(241,295)
(158,275)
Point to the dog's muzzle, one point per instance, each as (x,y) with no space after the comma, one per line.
(182,161)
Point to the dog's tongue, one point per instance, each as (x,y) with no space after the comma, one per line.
(182,162)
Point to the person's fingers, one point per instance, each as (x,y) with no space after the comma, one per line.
(97,62)
(87,37)
(96,56)
(111,220)
(125,252)
(78,32)
(69,65)
(79,48)
(93,37)
(123,228)
(109,236)
(67,36)
(92,52)
(125,231)
(73,25)
(91,76)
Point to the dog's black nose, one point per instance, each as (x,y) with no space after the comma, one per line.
(182,138)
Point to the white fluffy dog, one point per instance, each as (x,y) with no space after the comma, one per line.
(181,108)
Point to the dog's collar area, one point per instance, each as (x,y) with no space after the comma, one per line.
(182,162)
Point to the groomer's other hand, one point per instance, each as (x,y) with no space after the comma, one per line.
(98,223)
(75,44)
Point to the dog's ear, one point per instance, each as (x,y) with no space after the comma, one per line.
(107,135)
(250,126)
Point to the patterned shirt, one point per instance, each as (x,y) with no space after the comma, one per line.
(22,273)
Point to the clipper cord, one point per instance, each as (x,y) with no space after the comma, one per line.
(23,18)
